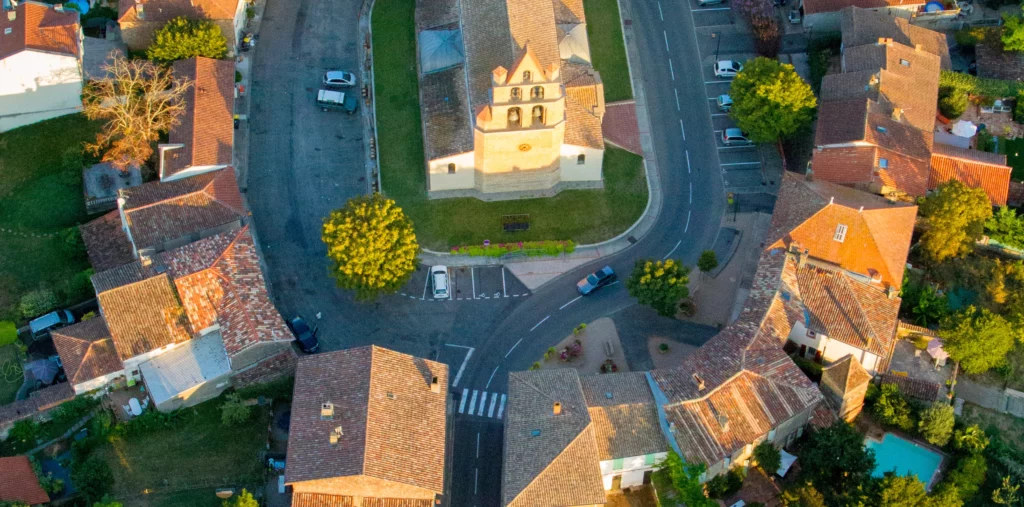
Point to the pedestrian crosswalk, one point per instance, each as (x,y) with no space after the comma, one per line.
(482,404)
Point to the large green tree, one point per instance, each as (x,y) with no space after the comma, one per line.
(93,478)
(900,491)
(836,462)
(936,424)
(685,478)
(183,38)
(767,457)
(1013,33)
(892,409)
(971,440)
(769,100)
(659,284)
(802,496)
(372,245)
(1006,227)
(977,338)
(954,219)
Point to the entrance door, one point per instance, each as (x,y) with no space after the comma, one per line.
(616,483)
(803,351)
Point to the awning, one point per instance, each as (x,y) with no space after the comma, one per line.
(935,350)
(786,462)
(965,128)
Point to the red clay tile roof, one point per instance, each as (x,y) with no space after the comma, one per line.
(905,78)
(914,388)
(206,130)
(142,312)
(823,416)
(86,350)
(864,26)
(974,168)
(620,126)
(106,243)
(18,482)
(38,401)
(845,374)
(325,500)
(878,232)
(159,212)
(39,27)
(820,6)
(161,11)
(219,281)
(393,425)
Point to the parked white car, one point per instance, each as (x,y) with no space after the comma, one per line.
(439,279)
(340,78)
(728,68)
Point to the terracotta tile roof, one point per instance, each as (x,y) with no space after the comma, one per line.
(569,11)
(447,127)
(905,328)
(86,350)
(38,401)
(845,165)
(613,389)
(974,168)
(393,425)
(820,6)
(878,232)
(325,500)
(545,452)
(533,22)
(823,416)
(914,388)
(840,122)
(160,212)
(1015,196)
(39,27)
(620,128)
(624,415)
(142,313)
(19,483)
(863,26)
(906,78)
(206,130)
(162,11)
(219,281)
(845,375)
(106,243)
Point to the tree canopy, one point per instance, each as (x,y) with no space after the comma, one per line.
(936,424)
(900,491)
(836,462)
(686,479)
(707,261)
(1006,227)
(372,245)
(971,439)
(954,219)
(659,284)
(977,338)
(770,101)
(892,409)
(767,457)
(1013,33)
(243,499)
(802,496)
(183,38)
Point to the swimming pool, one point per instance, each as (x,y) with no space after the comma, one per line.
(904,456)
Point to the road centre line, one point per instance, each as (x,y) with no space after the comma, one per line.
(667,50)
(516,345)
(569,303)
(681,129)
(677,99)
(492,377)
(672,250)
(478,445)
(709,9)
(660,13)
(535,327)
(691,191)
(671,69)
(687,222)
(742,163)
(687,161)
(476,479)
(463,367)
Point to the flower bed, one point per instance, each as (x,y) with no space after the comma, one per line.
(528,248)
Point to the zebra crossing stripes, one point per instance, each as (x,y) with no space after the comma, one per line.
(491,405)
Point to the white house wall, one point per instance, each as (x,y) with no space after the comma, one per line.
(590,170)
(632,471)
(832,350)
(36,86)
(97,383)
(464,177)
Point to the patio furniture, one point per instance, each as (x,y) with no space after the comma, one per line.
(136,408)
(127,410)
(145,403)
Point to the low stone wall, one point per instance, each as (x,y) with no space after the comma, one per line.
(271,368)
(36,406)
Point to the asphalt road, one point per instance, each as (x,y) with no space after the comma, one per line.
(304,163)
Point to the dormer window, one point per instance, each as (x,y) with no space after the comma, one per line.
(881,129)
(537,93)
(327,411)
(905,63)
(515,119)
(840,234)
(517,94)
(527,76)
(883,163)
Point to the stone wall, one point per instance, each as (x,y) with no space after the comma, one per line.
(270,369)
(36,406)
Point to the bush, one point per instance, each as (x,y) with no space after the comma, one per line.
(8,332)
(243,499)
(37,302)
(1018,108)
(984,87)
(768,458)
(986,142)
(22,436)
(820,51)
(528,248)
(280,389)
(234,410)
(952,102)
(810,368)
(78,288)
(936,424)
(93,478)
(70,412)
(724,485)
(892,409)
(150,421)
(968,475)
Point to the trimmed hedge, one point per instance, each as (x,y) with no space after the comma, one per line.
(8,332)
(992,88)
(529,248)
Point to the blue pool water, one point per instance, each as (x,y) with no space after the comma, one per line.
(903,456)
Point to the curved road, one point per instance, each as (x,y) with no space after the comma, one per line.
(304,163)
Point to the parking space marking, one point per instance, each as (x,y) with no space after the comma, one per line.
(472,276)
(677,99)
(503,291)
(567,304)
(425,282)
(672,250)
(713,115)
(681,129)
(718,82)
(462,404)
(463,367)
(733,147)
(709,9)
(663,32)
(741,163)
(451,283)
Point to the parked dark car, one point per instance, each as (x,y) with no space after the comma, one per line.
(304,336)
(596,280)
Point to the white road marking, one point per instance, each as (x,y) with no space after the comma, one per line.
(472,403)
(459,346)
(613,283)
(451,283)
(711,9)
(483,401)
(718,82)
(514,347)
(492,377)
(687,222)
(671,69)
(742,163)
(501,409)
(663,32)
(567,304)
(677,99)
(462,404)
(691,191)
(478,445)
(472,277)
(476,479)
(672,250)
(425,282)
(503,291)
(490,411)
(515,295)
(735,147)
(660,13)
(714,115)
(535,327)
(412,297)
(687,161)
(463,367)
(681,129)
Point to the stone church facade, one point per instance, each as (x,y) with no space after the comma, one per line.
(511,105)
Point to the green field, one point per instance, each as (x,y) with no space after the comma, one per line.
(11,376)
(584,216)
(41,196)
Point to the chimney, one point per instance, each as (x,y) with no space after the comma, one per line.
(327,411)
(801,261)
(556,409)
(876,277)
(891,292)
(435,386)
(58,7)
(897,113)
(723,421)
(499,75)
(861,210)
(139,11)
(336,434)
(884,41)
(699,382)
(831,199)
(672,428)
(918,48)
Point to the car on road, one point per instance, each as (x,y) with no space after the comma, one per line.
(304,336)
(439,279)
(728,68)
(596,280)
(735,137)
(339,78)
(53,320)
(724,103)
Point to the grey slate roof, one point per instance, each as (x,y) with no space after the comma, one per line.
(448,129)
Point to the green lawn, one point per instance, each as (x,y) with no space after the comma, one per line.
(198,452)
(607,48)
(40,194)
(1014,149)
(584,216)
(10,373)
(205,497)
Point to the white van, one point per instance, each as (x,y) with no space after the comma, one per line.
(439,278)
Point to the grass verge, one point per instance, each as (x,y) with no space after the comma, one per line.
(10,373)
(1014,150)
(197,452)
(584,216)
(41,196)
(608,48)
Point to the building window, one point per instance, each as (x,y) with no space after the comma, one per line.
(538,116)
(617,463)
(883,163)
(581,159)
(840,235)
(515,119)
(537,92)
(905,63)
(648,459)
(527,77)
(517,94)
(451,168)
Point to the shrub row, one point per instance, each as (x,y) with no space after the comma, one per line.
(529,248)
(993,88)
